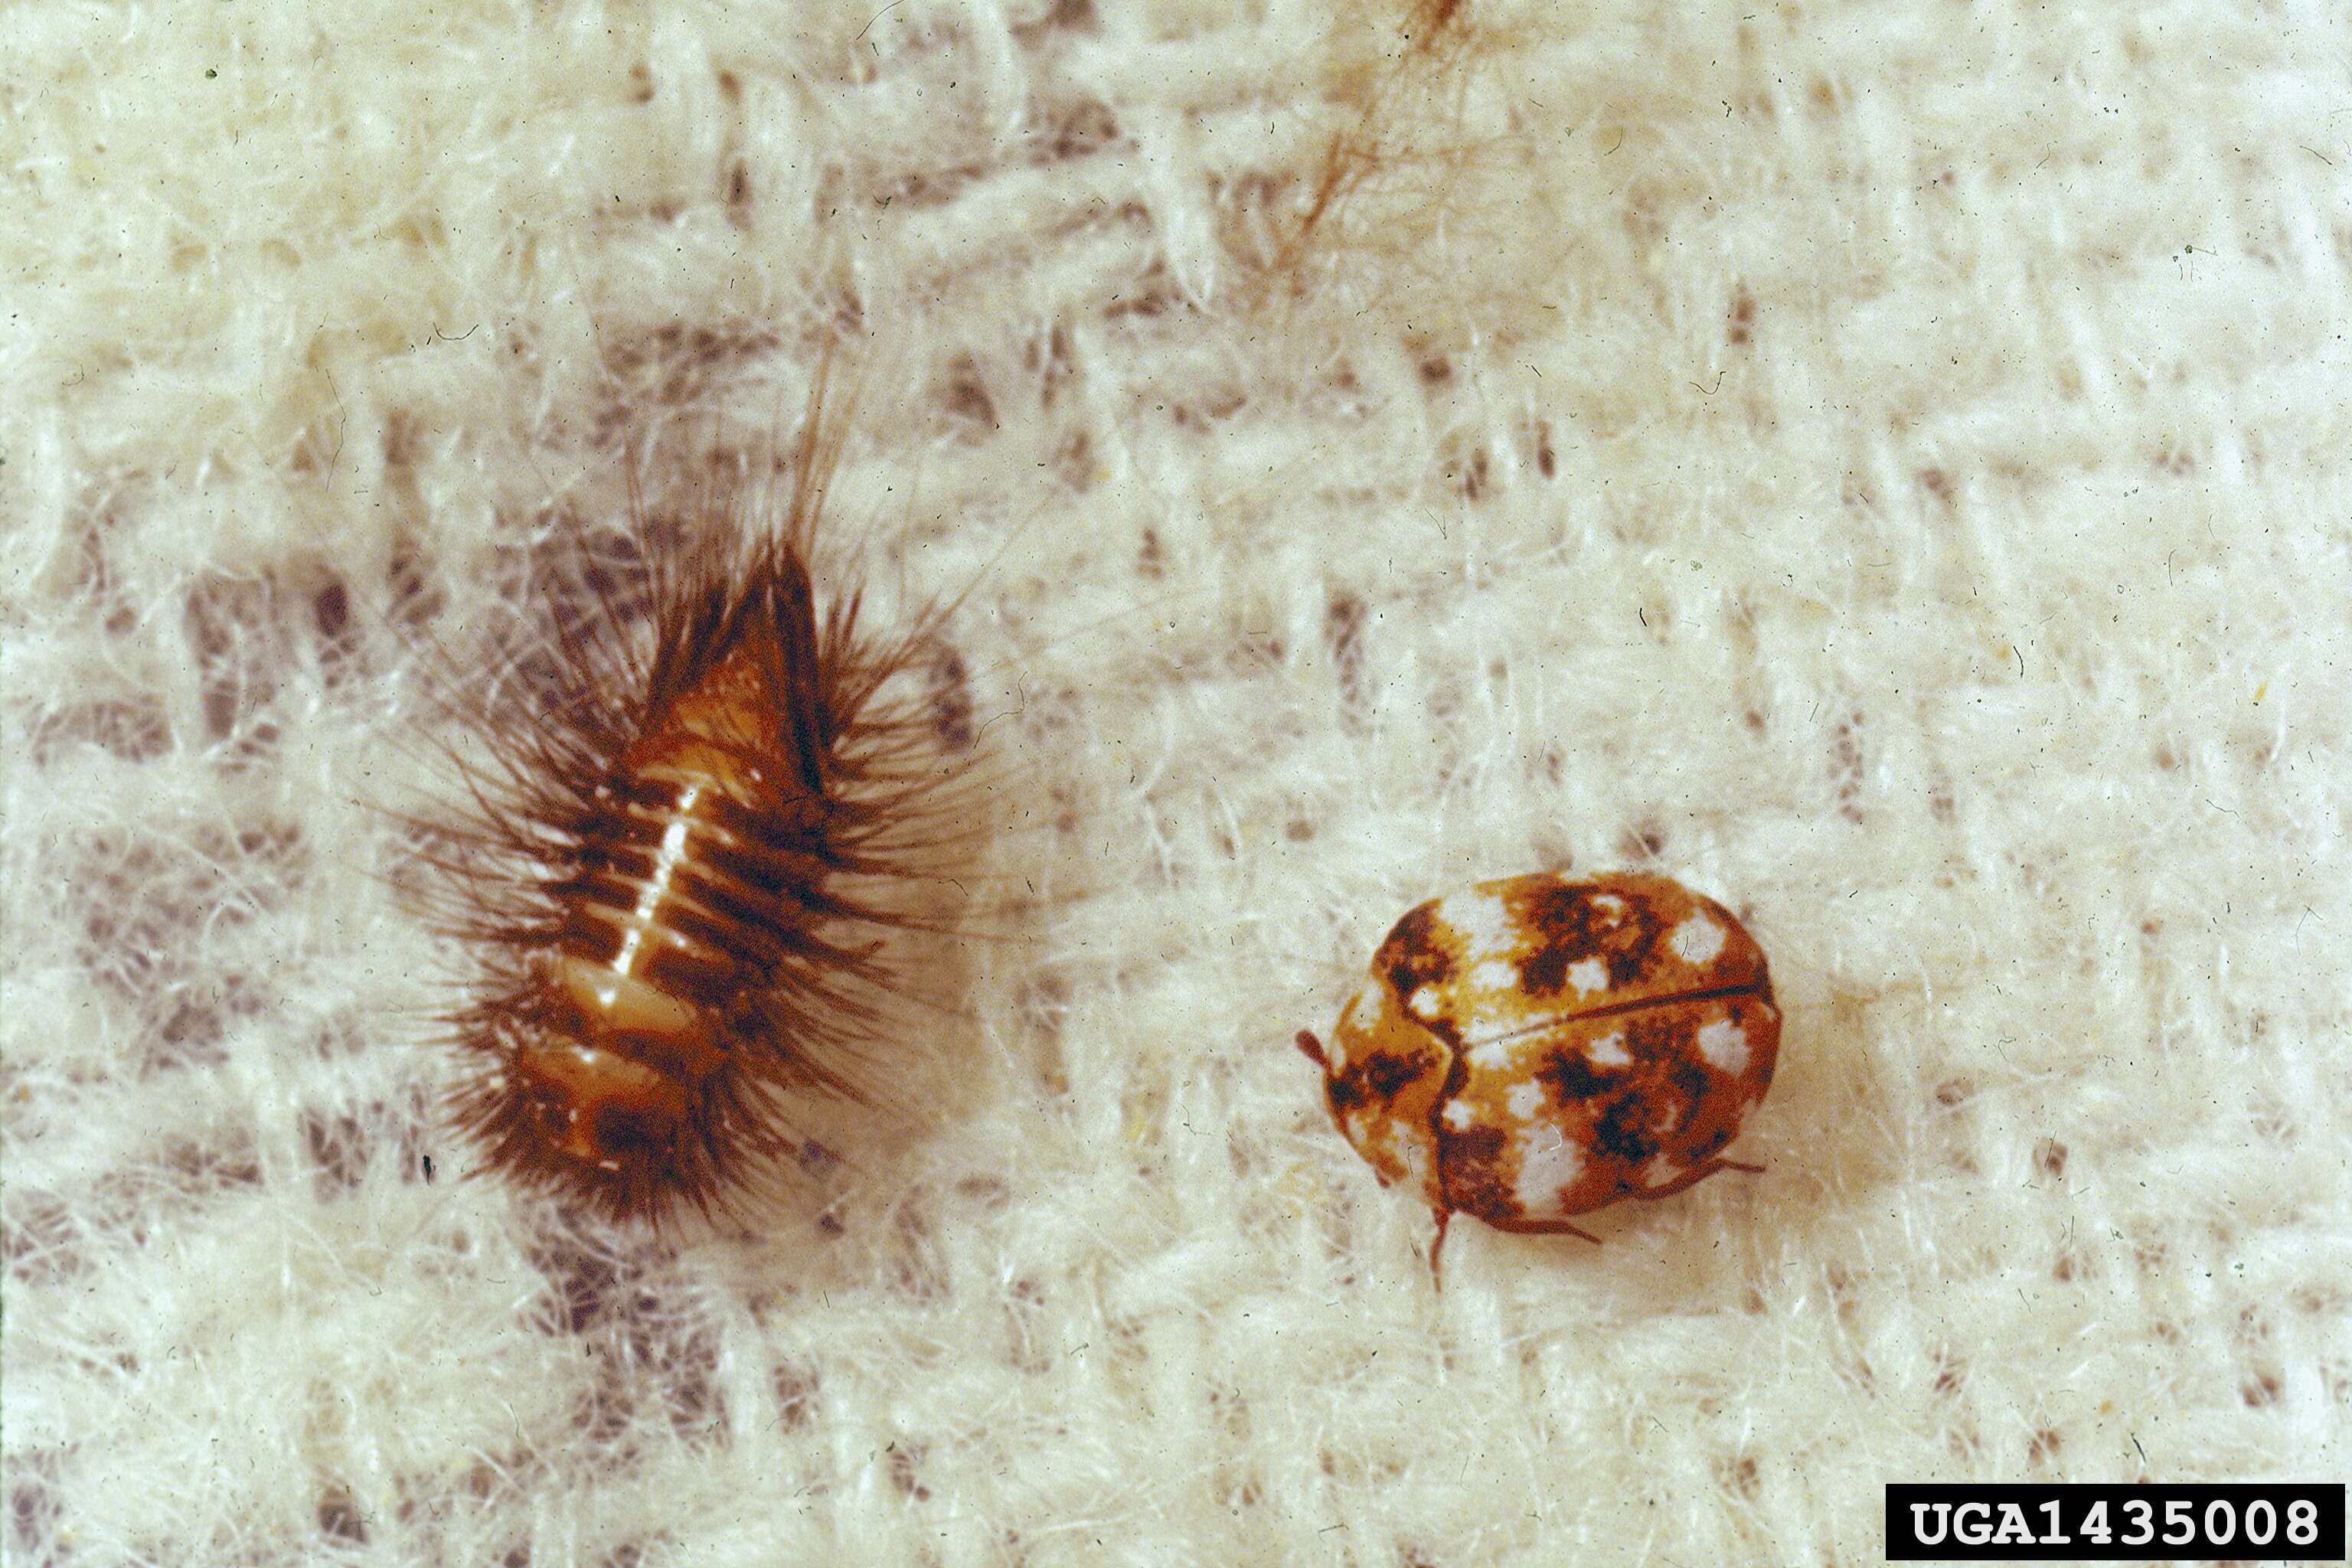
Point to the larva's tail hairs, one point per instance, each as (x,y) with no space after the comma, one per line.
(705,808)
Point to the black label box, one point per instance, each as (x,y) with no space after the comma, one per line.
(2293,1523)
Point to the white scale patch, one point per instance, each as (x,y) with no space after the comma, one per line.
(1426,1003)
(1609,903)
(1491,1057)
(1524,1100)
(1724,1043)
(1458,1114)
(1609,1052)
(1588,975)
(1486,928)
(1697,941)
(1494,976)
(1549,1165)
(1492,1002)
(1659,1172)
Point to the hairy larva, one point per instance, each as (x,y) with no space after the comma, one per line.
(680,872)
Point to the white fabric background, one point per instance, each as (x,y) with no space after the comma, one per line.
(1884,463)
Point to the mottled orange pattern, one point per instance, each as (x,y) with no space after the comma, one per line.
(1534,1049)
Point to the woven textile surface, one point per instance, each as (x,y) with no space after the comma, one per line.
(1882,463)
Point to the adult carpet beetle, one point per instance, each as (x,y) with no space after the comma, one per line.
(1534,1049)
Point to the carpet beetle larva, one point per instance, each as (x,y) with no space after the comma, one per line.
(681,876)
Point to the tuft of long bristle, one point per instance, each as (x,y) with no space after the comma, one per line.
(1423,42)
(682,866)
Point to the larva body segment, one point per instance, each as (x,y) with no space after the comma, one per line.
(682,882)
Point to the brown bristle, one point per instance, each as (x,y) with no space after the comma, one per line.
(1429,38)
(680,872)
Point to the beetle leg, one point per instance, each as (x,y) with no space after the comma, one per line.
(1544,1227)
(1436,1274)
(1695,1174)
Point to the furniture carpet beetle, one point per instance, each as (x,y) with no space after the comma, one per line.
(1534,1049)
